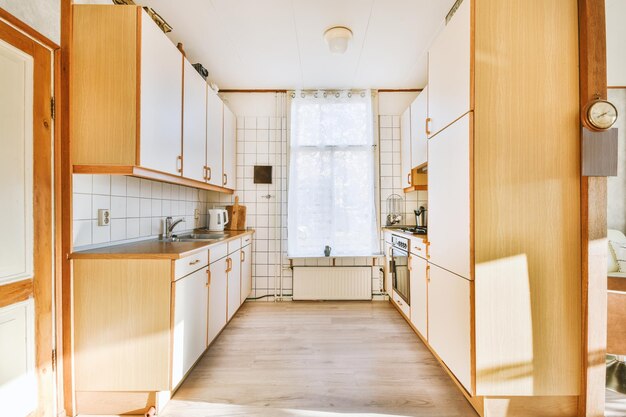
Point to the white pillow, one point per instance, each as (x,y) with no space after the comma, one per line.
(619,249)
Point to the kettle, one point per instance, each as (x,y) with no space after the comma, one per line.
(218,218)
(420,217)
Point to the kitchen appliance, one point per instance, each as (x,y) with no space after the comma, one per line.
(421,219)
(394,209)
(399,267)
(218,218)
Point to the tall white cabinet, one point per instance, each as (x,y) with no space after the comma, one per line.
(214,138)
(419,138)
(194,123)
(405,147)
(230,149)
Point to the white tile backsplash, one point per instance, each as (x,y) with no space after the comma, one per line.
(138,208)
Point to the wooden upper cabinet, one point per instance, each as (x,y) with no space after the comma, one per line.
(405,147)
(449,71)
(215,137)
(419,138)
(160,103)
(194,124)
(230,127)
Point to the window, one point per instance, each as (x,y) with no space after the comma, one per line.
(331,175)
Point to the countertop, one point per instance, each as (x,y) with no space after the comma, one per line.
(408,235)
(156,249)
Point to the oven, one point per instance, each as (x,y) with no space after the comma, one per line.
(399,267)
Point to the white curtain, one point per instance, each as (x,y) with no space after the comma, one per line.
(332,175)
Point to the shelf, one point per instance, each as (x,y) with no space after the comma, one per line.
(415,188)
(148,174)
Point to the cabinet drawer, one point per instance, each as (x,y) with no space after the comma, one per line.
(419,248)
(406,309)
(187,265)
(246,240)
(234,245)
(218,252)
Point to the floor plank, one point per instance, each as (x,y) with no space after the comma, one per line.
(318,359)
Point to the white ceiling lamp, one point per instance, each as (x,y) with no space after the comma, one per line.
(338,38)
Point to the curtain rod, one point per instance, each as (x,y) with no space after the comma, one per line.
(401,90)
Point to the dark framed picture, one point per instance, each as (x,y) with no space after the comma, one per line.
(262,174)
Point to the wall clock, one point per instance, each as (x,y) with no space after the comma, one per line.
(601,114)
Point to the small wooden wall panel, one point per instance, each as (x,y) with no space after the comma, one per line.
(122,324)
(104,85)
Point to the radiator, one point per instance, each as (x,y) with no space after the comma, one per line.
(332,283)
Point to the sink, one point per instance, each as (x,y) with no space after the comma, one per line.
(200,237)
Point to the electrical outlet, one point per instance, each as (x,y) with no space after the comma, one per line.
(196,214)
(104,217)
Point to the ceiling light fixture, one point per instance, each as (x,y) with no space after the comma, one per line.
(338,38)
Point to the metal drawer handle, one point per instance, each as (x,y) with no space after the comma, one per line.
(194,262)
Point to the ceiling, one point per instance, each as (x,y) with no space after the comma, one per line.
(278,44)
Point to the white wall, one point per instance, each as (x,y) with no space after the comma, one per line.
(615,42)
(42,15)
(616,192)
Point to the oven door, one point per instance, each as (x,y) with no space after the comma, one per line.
(401,281)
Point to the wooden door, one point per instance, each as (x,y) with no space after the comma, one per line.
(230,148)
(246,272)
(405,147)
(161,105)
(449,321)
(419,294)
(190,322)
(217,298)
(419,138)
(26,244)
(234,283)
(449,71)
(449,198)
(194,124)
(214,139)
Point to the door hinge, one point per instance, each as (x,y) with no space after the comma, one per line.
(52,108)
(54,360)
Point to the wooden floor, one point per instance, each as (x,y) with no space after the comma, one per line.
(318,359)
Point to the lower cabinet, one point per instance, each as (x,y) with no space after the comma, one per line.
(190,322)
(449,321)
(419,294)
(218,292)
(388,284)
(234,283)
(246,272)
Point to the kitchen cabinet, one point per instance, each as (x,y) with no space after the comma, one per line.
(215,138)
(194,124)
(449,71)
(449,198)
(230,150)
(419,138)
(161,106)
(131,104)
(234,283)
(405,148)
(388,284)
(246,271)
(419,290)
(402,305)
(190,322)
(218,298)
(449,322)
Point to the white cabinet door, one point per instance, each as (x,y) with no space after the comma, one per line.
(449,322)
(190,322)
(230,148)
(246,272)
(449,198)
(419,139)
(449,71)
(161,100)
(388,277)
(218,284)
(214,138)
(234,284)
(419,291)
(194,124)
(405,147)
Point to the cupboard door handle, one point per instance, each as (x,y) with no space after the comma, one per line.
(243,256)
(208,278)
(179,163)
(208,178)
(409,259)
(229,265)
(408,178)
(225,179)
(428,120)
(194,262)
(428,273)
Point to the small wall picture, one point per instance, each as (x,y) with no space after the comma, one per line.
(262,174)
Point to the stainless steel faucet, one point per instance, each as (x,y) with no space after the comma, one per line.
(169,226)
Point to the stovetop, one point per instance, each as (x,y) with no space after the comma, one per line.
(416,230)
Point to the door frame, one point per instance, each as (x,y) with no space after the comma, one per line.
(46,140)
(593,80)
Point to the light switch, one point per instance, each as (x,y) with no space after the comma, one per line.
(104,217)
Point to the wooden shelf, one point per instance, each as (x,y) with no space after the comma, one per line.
(149,174)
(415,188)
